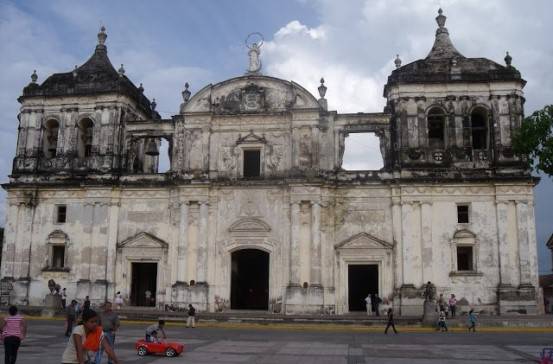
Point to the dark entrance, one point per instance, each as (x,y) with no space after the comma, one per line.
(362,280)
(143,285)
(249,288)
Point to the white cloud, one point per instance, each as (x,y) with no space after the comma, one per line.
(355,42)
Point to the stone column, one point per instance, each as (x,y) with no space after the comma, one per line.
(396,229)
(505,269)
(523,243)
(202,242)
(532,244)
(426,241)
(315,148)
(10,239)
(182,242)
(294,244)
(23,242)
(412,270)
(316,243)
(113,227)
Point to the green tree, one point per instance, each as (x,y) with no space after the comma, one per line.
(535,140)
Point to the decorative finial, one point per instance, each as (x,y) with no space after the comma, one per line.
(322,88)
(508,59)
(75,71)
(440,19)
(34,77)
(141,88)
(397,61)
(322,92)
(121,70)
(102,36)
(254,41)
(186,93)
(153,104)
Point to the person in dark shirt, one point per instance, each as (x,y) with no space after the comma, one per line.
(86,304)
(70,316)
(191,321)
(391,322)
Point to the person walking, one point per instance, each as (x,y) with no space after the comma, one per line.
(63,298)
(391,322)
(368,304)
(86,340)
(472,320)
(442,325)
(109,320)
(70,317)
(452,305)
(14,329)
(191,320)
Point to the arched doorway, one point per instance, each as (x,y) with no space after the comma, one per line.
(249,288)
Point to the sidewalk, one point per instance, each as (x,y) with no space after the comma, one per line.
(349,322)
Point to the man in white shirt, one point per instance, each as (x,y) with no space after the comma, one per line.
(368,304)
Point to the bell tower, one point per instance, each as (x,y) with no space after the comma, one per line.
(451,111)
(72,123)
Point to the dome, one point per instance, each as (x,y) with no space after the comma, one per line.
(252,93)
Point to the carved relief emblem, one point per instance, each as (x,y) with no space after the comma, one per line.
(249,207)
(274,158)
(228,159)
(253,98)
(438,156)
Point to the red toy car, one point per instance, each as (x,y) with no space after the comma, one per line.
(169,349)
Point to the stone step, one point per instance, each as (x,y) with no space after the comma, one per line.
(152,314)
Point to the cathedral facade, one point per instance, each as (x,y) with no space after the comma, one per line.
(256,211)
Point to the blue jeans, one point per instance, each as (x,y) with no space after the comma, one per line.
(110,337)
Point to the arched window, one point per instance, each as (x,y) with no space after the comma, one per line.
(479,128)
(436,128)
(84,147)
(57,251)
(50,138)
(464,252)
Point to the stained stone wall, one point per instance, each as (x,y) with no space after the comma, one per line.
(409,231)
(311,216)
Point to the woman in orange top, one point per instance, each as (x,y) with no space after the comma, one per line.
(86,338)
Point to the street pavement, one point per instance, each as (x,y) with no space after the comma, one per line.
(243,344)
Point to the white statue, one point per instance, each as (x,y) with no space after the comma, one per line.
(254,51)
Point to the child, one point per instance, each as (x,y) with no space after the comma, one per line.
(87,337)
(152,331)
(472,320)
(118,300)
(441,321)
(13,330)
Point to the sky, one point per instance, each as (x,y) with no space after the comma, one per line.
(351,43)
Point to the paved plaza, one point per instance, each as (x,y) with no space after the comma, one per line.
(45,344)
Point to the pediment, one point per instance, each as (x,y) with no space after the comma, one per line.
(58,237)
(143,240)
(58,234)
(363,241)
(464,234)
(251,94)
(250,225)
(251,138)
